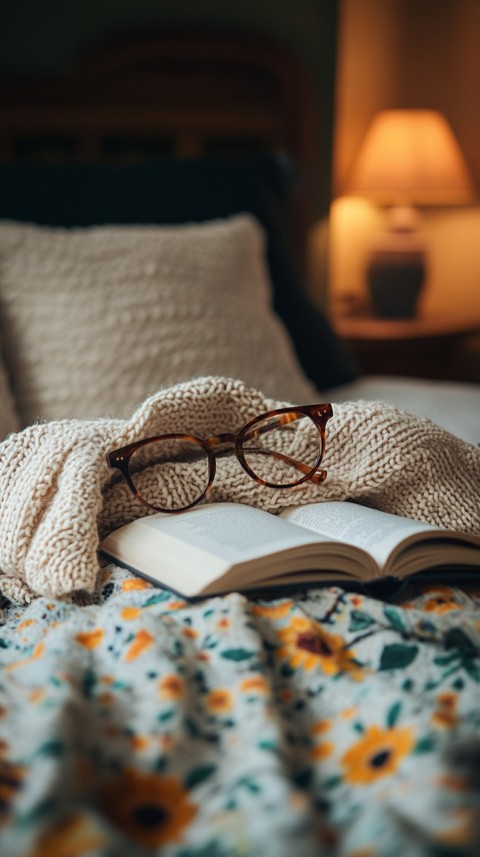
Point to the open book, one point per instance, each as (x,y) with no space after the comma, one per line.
(230,546)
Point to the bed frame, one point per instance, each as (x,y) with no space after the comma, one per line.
(136,97)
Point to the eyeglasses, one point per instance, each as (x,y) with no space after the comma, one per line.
(278,449)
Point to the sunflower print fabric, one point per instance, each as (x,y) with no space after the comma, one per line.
(329,723)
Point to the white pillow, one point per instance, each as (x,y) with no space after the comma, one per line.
(9,419)
(96,319)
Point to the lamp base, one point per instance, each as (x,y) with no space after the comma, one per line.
(397,266)
(395,282)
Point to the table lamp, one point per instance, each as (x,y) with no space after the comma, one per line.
(408,158)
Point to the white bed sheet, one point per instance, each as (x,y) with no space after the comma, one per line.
(453,405)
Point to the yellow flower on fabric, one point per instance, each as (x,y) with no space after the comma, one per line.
(190,633)
(348,713)
(142,641)
(71,837)
(377,754)
(132,584)
(38,652)
(273,611)
(153,810)
(254,684)
(441,600)
(26,624)
(220,701)
(306,644)
(322,751)
(171,686)
(440,604)
(90,639)
(139,742)
(36,695)
(445,715)
(320,727)
(129,613)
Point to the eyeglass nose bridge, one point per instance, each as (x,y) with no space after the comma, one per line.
(218,444)
(316,475)
(220,440)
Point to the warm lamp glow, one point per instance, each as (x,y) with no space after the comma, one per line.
(411,156)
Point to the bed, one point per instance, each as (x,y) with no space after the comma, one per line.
(132,722)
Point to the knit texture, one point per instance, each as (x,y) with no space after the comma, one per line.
(59,496)
(95,320)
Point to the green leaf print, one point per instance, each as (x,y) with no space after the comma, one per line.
(457,639)
(51,748)
(360,620)
(472,670)
(393,714)
(460,654)
(157,599)
(395,618)
(236,654)
(199,775)
(397,656)
(332,782)
(425,745)
(268,744)
(166,715)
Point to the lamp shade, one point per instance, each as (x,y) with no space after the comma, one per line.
(411,156)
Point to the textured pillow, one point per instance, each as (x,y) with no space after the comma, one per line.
(94,320)
(9,419)
(193,190)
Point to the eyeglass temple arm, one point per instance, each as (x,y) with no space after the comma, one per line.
(317,476)
(282,420)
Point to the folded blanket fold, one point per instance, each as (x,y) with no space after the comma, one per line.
(58,496)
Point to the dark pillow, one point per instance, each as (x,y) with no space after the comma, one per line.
(181,191)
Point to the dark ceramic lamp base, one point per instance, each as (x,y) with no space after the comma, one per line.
(395,281)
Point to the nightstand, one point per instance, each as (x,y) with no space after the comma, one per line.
(422,347)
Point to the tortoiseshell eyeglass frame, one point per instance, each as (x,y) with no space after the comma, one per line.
(119,459)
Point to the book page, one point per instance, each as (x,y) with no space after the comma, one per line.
(232,531)
(378,533)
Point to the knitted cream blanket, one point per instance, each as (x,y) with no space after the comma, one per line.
(58,496)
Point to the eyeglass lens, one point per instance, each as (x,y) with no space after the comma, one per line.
(170,473)
(274,447)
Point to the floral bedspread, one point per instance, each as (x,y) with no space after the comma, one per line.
(326,723)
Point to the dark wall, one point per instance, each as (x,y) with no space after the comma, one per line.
(48,35)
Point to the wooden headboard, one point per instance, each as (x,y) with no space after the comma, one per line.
(126,114)
(141,96)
